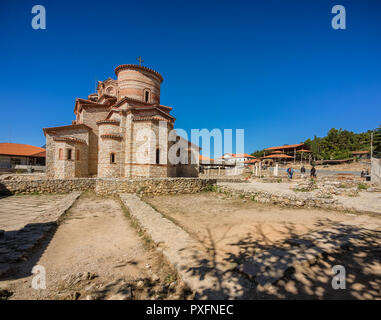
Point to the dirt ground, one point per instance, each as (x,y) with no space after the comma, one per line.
(96,253)
(231,230)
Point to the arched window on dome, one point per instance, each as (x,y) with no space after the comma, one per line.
(147,95)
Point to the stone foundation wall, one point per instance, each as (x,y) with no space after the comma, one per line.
(106,186)
(46,186)
(152,186)
(297,200)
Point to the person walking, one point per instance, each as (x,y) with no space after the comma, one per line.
(290,172)
(303,171)
(313,172)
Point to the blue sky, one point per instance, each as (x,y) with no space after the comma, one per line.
(274,68)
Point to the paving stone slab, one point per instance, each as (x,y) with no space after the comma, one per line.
(182,252)
(16,244)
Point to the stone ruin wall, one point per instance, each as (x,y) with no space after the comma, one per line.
(106,186)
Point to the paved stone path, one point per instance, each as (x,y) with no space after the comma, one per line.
(26,220)
(18,211)
(183,252)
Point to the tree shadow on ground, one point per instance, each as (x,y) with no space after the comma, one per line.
(22,249)
(298,267)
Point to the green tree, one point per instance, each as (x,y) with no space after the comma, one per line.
(339,144)
(377,142)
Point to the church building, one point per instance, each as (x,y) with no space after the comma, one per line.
(119,131)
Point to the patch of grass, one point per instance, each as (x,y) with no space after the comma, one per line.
(170,277)
(362,186)
(210,188)
(302,190)
(148,243)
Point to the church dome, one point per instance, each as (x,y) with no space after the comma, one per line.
(139,82)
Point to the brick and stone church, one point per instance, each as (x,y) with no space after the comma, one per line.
(119,131)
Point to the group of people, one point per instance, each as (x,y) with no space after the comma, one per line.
(364,173)
(290,172)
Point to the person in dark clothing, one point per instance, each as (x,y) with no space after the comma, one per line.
(290,172)
(313,172)
(303,172)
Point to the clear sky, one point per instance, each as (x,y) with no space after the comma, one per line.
(275,68)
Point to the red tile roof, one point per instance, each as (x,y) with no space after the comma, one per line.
(203,158)
(289,146)
(69,139)
(242,155)
(138,67)
(360,152)
(252,161)
(278,156)
(70,126)
(41,154)
(17,149)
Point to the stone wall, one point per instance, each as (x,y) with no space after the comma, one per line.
(152,186)
(46,185)
(285,200)
(106,186)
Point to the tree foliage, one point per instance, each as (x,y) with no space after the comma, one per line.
(339,144)
(377,142)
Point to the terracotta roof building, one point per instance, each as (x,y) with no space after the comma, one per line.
(288,151)
(286,147)
(13,154)
(361,154)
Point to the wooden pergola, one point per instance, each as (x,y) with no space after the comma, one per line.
(288,150)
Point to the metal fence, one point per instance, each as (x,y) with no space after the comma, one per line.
(376,170)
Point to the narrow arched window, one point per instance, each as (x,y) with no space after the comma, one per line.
(146,96)
(69,156)
(157,156)
(112,157)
